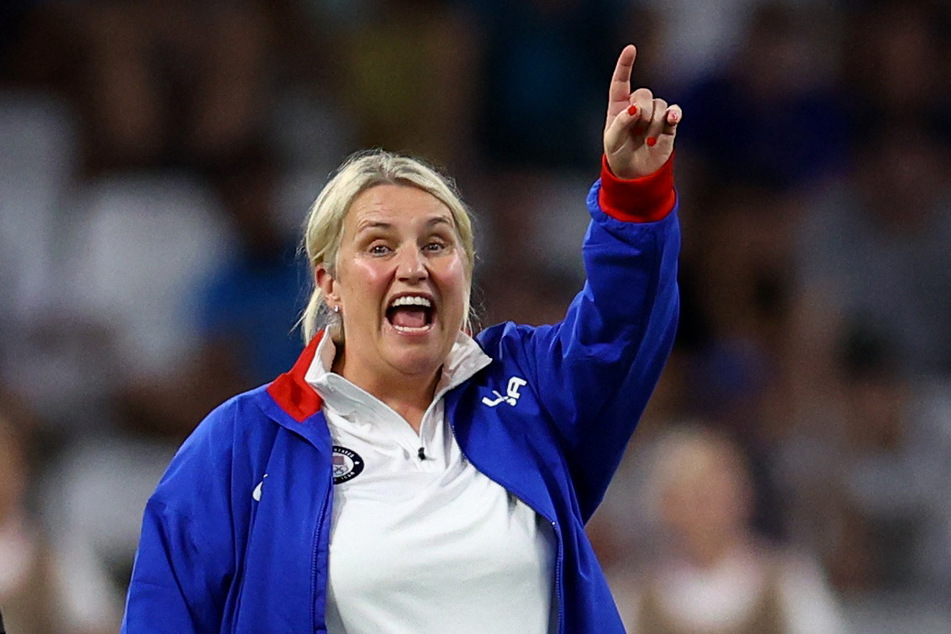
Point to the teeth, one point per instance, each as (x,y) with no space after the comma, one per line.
(411,330)
(410,300)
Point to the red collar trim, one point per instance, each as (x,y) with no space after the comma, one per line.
(291,391)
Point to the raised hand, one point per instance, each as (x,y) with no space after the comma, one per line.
(639,130)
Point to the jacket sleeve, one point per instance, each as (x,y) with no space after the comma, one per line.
(183,566)
(594,371)
(167,592)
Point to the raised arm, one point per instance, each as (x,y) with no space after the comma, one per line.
(598,367)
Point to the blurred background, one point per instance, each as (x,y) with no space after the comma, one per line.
(157,158)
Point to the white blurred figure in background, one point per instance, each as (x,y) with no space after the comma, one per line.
(713,574)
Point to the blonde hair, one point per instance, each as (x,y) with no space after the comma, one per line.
(323,228)
(689,446)
(686,453)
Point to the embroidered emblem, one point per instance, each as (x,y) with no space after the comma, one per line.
(511,395)
(347,464)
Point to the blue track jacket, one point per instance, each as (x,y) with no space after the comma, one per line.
(222,553)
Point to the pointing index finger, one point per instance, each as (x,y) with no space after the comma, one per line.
(620,89)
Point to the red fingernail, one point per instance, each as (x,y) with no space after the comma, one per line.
(651,141)
(632,110)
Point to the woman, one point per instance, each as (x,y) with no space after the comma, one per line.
(404,477)
(712,573)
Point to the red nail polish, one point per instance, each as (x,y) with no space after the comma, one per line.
(651,141)
(632,110)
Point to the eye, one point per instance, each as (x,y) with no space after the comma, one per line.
(438,243)
(378,249)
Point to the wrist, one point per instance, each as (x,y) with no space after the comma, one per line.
(644,199)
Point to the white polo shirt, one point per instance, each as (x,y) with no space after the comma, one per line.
(425,544)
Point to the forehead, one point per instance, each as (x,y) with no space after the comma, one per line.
(396,206)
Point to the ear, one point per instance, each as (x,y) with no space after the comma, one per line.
(327,283)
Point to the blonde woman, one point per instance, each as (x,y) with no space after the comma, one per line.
(404,476)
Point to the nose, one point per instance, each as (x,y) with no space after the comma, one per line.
(411,266)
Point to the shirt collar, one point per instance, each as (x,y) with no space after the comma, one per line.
(465,359)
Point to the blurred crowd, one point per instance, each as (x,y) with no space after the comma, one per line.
(158,156)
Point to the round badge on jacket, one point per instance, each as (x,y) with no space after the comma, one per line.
(347,464)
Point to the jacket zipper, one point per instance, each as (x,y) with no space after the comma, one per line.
(554,525)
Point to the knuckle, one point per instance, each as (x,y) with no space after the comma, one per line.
(644,94)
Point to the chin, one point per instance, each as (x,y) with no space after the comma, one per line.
(419,358)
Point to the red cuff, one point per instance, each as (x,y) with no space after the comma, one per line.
(646,199)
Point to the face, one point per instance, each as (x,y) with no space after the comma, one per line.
(401,285)
(704,505)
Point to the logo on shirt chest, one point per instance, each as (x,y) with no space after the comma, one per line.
(347,464)
(511,395)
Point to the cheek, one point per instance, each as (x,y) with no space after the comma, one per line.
(361,276)
(454,281)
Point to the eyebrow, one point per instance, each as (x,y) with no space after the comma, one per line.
(366,225)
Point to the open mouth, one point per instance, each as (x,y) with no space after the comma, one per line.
(411,314)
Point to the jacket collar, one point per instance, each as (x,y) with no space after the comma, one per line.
(465,359)
(290,390)
(298,399)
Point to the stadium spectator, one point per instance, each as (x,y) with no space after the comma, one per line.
(711,572)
